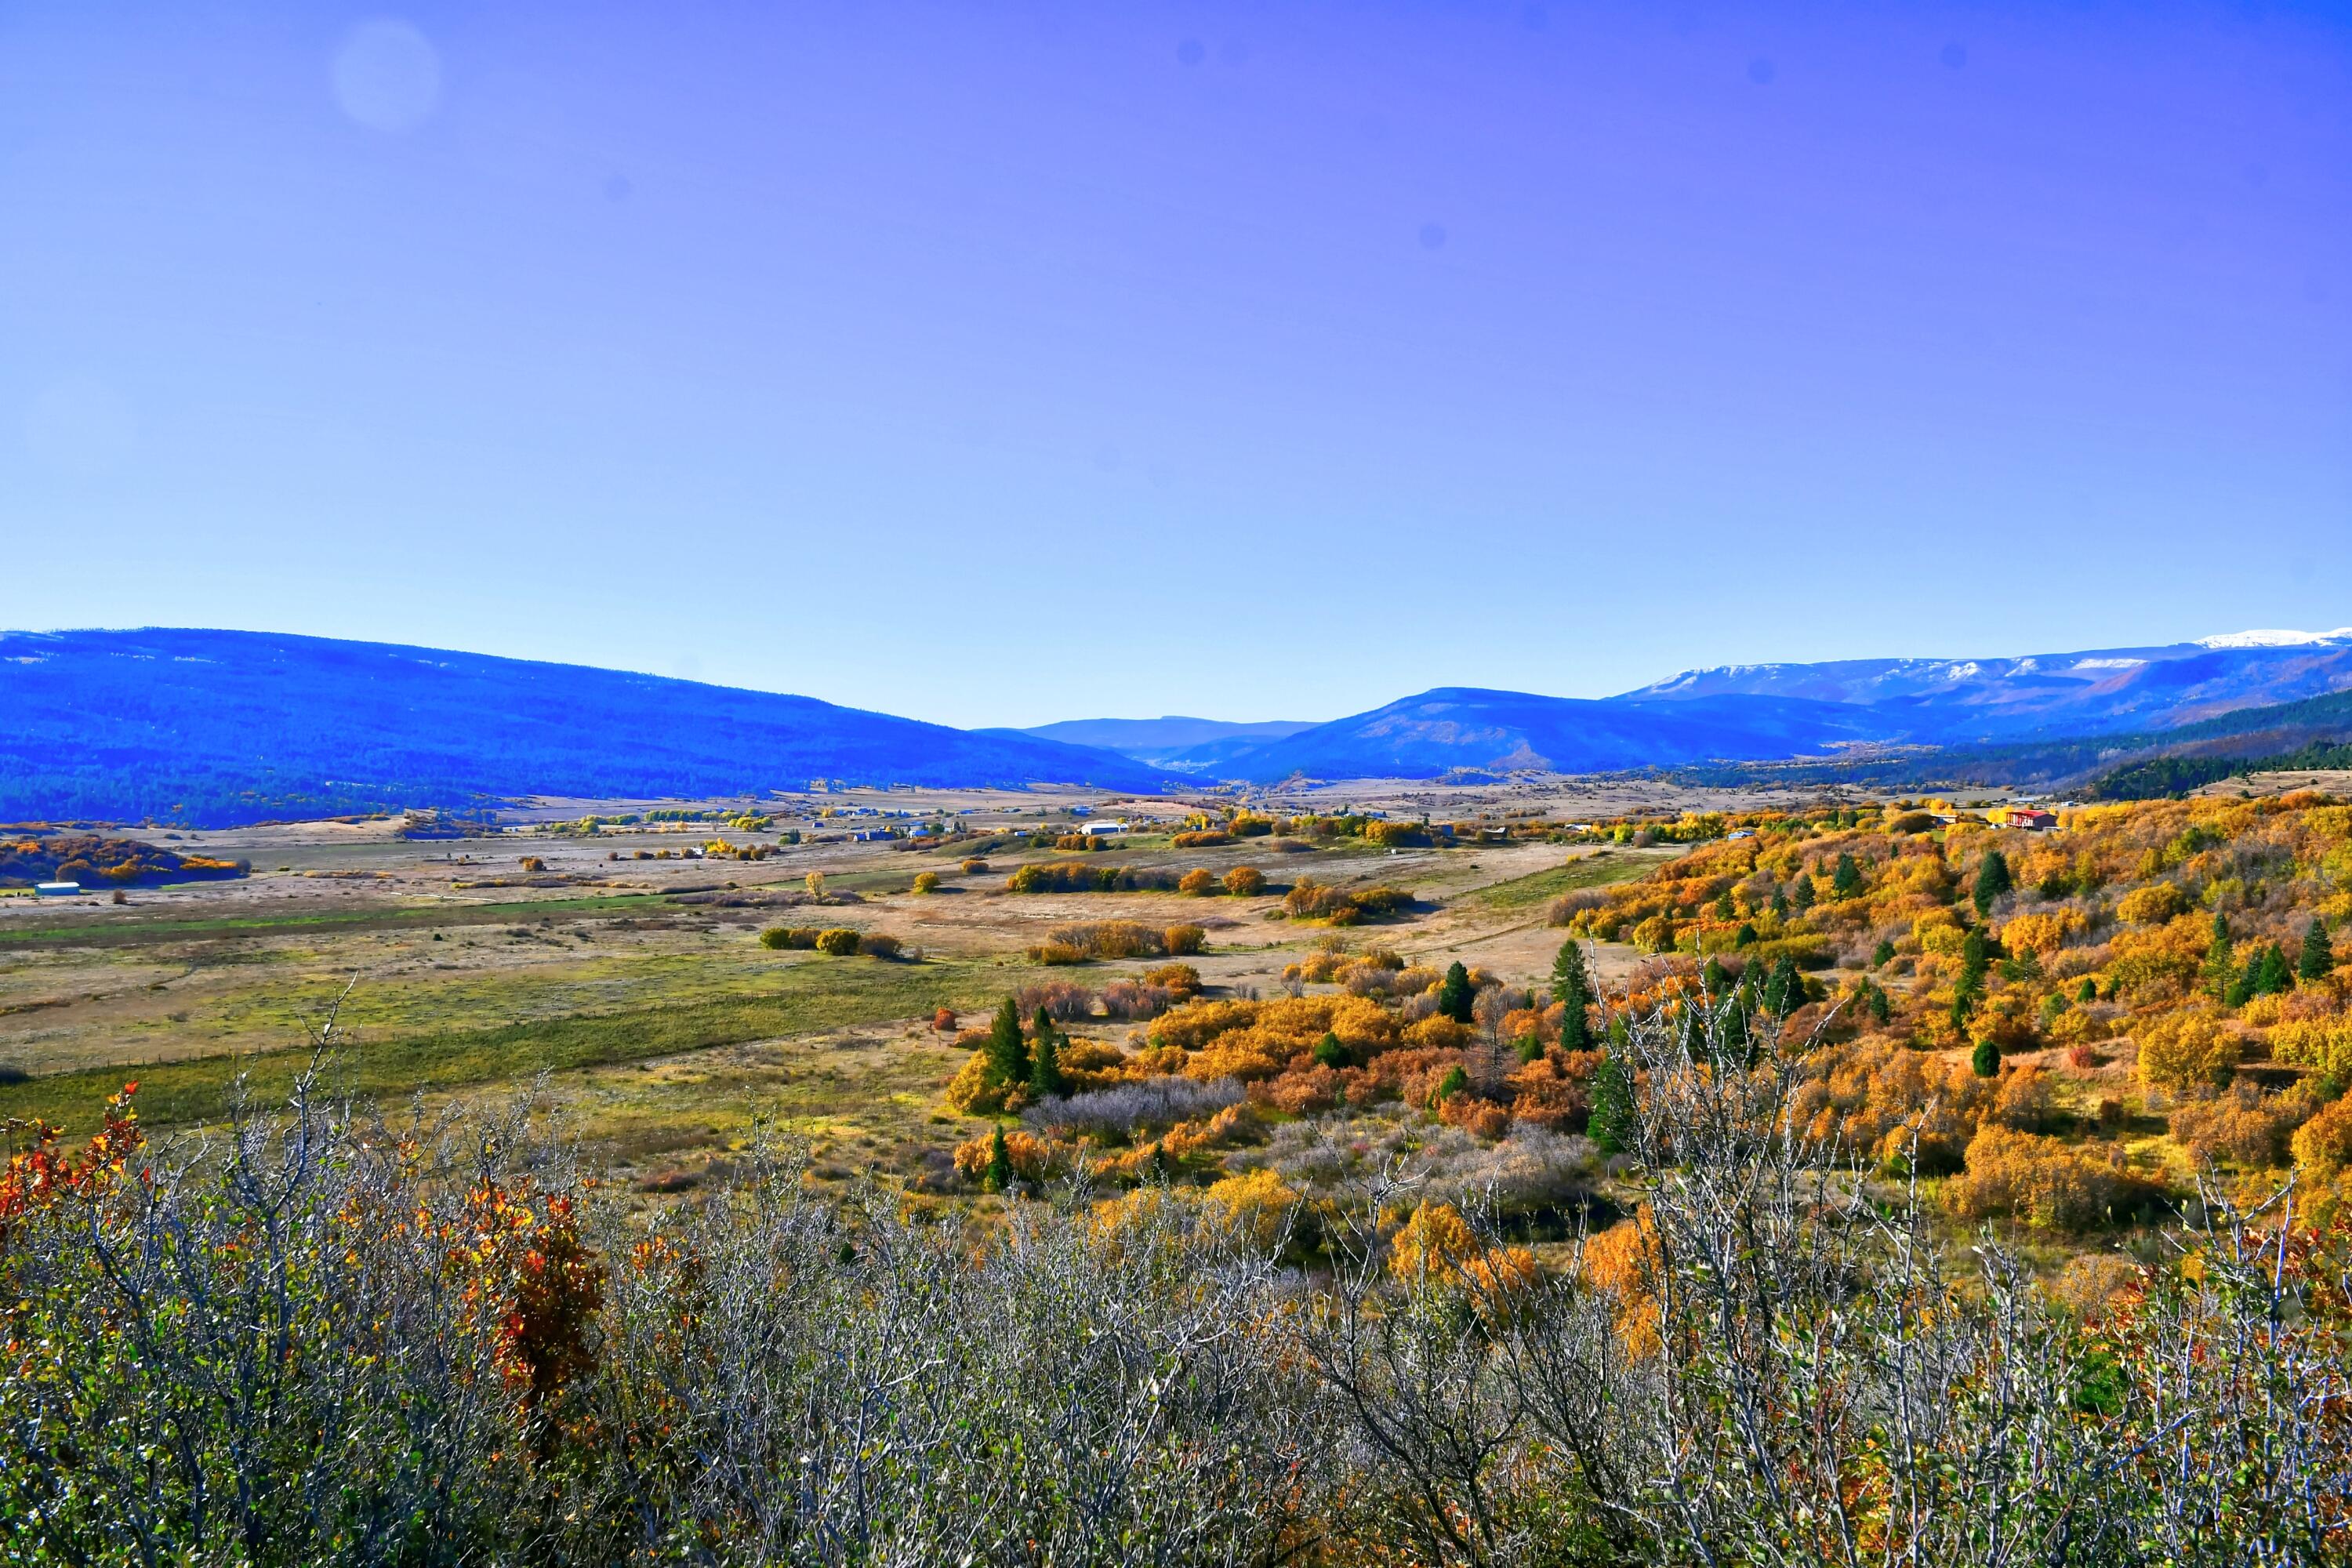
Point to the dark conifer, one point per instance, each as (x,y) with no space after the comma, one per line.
(1454,996)
(1571,987)
(1992,879)
(2318,956)
(1008,1053)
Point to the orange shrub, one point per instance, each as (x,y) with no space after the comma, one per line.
(1195,883)
(1245,882)
(1032,1158)
(2244,1126)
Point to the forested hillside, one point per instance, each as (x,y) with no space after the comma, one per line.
(211,727)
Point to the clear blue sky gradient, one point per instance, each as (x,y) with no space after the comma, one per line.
(1002,362)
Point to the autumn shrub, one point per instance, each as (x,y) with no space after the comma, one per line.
(1196,882)
(2040,1181)
(2243,1126)
(1032,1158)
(1199,839)
(800,937)
(2322,1044)
(2323,1145)
(1180,941)
(974,867)
(2181,1051)
(1245,882)
(838,942)
(880,944)
(1063,1000)
(2153,905)
(1104,939)
(927,882)
(1176,977)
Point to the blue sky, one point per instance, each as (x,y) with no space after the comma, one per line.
(1003,362)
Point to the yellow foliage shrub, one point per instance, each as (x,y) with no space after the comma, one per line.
(2038,1180)
(1436,1246)
(975,1092)
(2152,905)
(2043,934)
(1256,1203)
(2323,1045)
(2323,1145)
(2181,1052)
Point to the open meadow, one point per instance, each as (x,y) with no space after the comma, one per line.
(624,963)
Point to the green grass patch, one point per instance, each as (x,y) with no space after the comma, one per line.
(815,994)
(1585,871)
(130,931)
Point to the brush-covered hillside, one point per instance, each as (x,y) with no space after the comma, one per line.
(2069,1025)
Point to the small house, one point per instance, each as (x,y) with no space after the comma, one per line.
(57,890)
(1102,829)
(2030,817)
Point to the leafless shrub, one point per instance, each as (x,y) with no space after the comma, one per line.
(1065,1001)
(1137,1000)
(1151,1104)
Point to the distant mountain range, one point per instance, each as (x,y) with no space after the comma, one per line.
(1195,744)
(1768,712)
(219,726)
(212,727)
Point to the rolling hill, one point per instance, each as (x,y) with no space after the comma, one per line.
(218,727)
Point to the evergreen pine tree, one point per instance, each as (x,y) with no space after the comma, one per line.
(1713,978)
(1976,957)
(1985,1059)
(1724,909)
(1045,1081)
(1883,954)
(2318,957)
(1609,1124)
(1881,1009)
(1330,1052)
(1008,1053)
(2274,976)
(998,1175)
(1992,879)
(1801,898)
(2088,992)
(1784,990)
(1454,996)
(1846,881)
(1779,903)
(1571,987)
